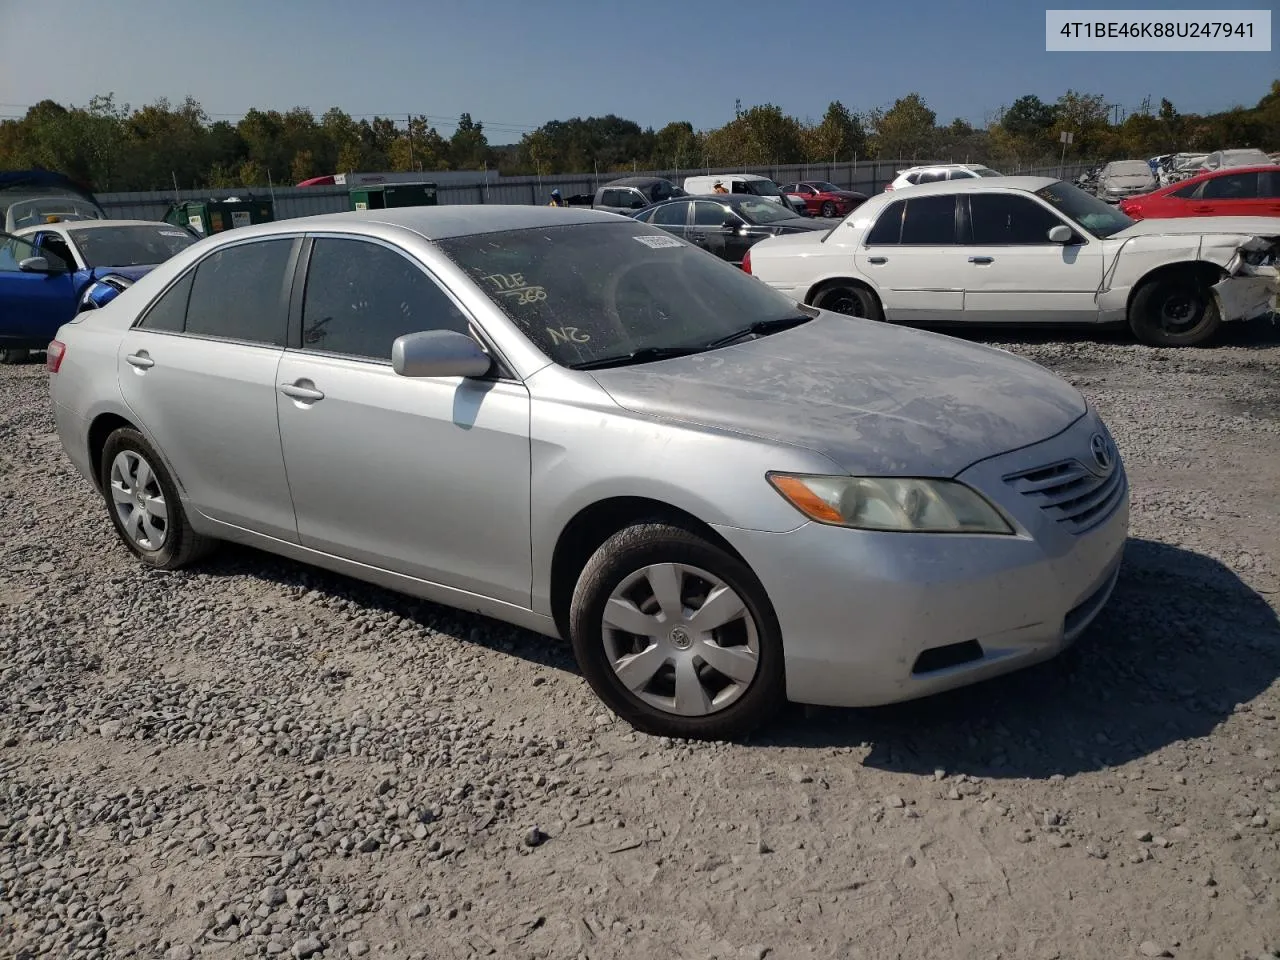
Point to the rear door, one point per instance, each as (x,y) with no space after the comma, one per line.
(673,217)
(1269,192)
(912,256)
(198,370)
(1232,195)
(32,305)
(709,232)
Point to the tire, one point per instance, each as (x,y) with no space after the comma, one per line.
(829,209)
(1175,310)
(850,299)
(713,705)
(14,355)
(166,543)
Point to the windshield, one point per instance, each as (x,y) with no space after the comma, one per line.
(1129,168)
(36,211)
(764,211)
(762,188)
(986,172)
(131,246)
(585,292)
(1096,216)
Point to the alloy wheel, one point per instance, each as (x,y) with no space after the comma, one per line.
(139,500)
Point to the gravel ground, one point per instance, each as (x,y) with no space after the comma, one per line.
(257,759)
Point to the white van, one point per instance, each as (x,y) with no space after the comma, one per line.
(741,183)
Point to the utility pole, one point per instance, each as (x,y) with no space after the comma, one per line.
(409,118)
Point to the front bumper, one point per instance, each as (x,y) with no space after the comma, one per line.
(1253,292)
(859,609)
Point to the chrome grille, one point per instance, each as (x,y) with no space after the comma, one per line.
(1071,493)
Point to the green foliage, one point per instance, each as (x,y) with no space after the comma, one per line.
(117,148)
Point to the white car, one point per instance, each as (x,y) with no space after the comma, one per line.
(1029,250)
(938,172)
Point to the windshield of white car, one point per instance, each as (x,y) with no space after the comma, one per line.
(1097,216)
(129,246)
(762,188)
(587,292)
(765,211)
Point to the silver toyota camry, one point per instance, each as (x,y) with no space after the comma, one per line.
(577,423)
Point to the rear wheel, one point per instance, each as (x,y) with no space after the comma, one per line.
(676,635)
(829,209)
(144,505)
(1176,310)
(850,299)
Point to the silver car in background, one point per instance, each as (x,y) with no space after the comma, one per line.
(1125,178)
(579,424)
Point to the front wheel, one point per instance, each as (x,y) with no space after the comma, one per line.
(1174,311)
(829,209)
(676,635)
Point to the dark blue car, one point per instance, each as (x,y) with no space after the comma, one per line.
(50,273)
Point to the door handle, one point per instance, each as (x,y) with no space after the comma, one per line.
(299,391)
(141,360)
(877,259)
(982,259)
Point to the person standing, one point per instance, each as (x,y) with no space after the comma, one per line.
(556,199)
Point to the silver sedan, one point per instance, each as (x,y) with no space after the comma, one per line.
(579,424)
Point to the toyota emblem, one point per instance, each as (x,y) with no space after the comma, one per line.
(1101,451)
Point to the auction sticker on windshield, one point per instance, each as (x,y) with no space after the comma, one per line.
(659,242)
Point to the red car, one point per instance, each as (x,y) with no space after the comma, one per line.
(822,199)
(1233,192)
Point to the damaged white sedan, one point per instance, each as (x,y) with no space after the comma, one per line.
(1030,250)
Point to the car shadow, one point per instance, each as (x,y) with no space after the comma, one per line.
(1182,642)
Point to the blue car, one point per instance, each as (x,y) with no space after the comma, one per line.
(51,272)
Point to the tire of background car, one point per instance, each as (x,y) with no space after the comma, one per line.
(616,590)
(15,355)
(1174,310)
(135,484)
(829,209)
(841,296)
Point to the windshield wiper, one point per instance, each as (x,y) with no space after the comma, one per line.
(759,329)
(643,355)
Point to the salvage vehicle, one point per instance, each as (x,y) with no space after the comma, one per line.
(1124,178)
(822,199)
(33,197)
(573,422)
(50,273)
(1230,192)
(1225,159)
(938,172)
(727,226)
(1028,251)
(628,194)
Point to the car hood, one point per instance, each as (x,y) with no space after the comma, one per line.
(1181,226)
(874,398)
(1129,181)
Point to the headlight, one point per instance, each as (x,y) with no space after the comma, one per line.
(889,503)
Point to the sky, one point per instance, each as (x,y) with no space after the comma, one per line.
(516,65)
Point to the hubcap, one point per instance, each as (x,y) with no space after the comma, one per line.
(680,639)
(139,500)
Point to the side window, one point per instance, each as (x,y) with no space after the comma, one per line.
(169,313)
(913,178)
(739,186)
(361,296)
(1231,186)
(55,249)
(1190,191)
(888,229)
(710,214)
(611,198)
(671,215)
(932,176)
(1005,218)
(930,220)
(1269,185)
(791,188)
(645,216)
(14,251)
(242,293)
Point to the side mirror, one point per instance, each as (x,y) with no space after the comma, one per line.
(439,353)
(36,265)
(1060,234)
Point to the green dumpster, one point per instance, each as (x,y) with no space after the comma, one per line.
(383,196)
(207,217)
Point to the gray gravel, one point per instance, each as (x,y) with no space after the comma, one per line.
(254,759)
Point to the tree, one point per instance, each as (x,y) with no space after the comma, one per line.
(839,136)
(759,136)
(676,146)
(468,147)
(906,130)
(1029,117)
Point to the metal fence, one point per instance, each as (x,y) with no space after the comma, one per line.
(867,177)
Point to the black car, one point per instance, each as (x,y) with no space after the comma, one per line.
(728,225)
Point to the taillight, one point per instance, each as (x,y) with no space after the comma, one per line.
(53,355)
(888,186)
(746,262)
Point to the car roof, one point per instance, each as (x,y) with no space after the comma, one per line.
(91,225)
(435,223)
(635,181)
(944,166)
(733,199)
(1028,184)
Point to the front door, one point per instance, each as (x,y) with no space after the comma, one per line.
(32,305)
(1015,273)
(426,477)
(912,257)
(673,217)
(199,372)
(708,230)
